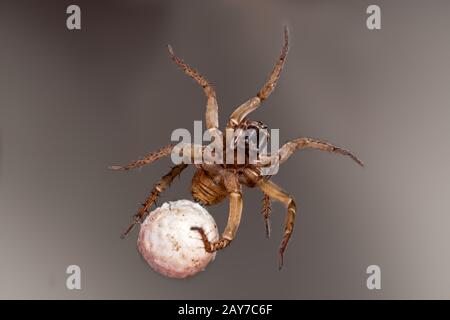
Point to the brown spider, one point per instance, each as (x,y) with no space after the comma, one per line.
(212,183)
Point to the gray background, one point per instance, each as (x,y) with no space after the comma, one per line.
(72,103)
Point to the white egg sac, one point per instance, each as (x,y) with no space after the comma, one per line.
(168,244)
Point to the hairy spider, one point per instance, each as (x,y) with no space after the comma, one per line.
(212,183)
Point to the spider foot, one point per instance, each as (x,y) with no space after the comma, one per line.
(205,240)
(267,223)
(130,227)
(280,259)
(211,246)
(281,254)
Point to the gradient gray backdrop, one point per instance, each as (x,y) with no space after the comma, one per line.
(74,102)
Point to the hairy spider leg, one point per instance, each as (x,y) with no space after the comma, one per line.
(234,218)
(148,159)
(250,105)
(212,108)
(159,187)
(267,209)
(302,143)
(274,191)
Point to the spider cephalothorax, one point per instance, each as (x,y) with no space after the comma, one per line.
(213,182)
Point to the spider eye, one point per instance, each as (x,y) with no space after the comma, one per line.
(262,125)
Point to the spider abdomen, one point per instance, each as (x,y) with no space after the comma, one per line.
(205,190)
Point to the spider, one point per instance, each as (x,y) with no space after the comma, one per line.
(212,183)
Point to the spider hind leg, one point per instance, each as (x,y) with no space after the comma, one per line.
(274,191)
(234,219)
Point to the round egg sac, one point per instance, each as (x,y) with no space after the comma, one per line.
(168,244)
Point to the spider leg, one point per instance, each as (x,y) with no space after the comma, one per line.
(266,214)
(250,105)
(212,109)
(274,191)
(189,153)
(234,219)
(159,187)
(302,143)
(193,154)
(149,158)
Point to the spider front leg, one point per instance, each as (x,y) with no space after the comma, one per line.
(148,159)
(273,191)
(212,108)
(186,151)
(250,105)
(158,188)
(302,143)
